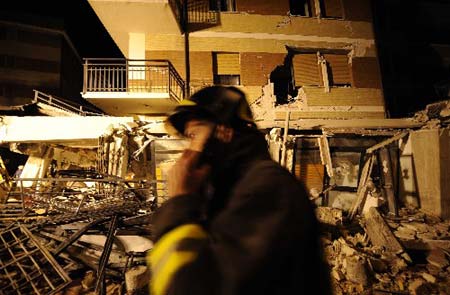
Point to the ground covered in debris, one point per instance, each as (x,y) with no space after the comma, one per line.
(78,220)
(364,258)
(376,253)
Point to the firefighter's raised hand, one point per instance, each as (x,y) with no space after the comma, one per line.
(186,176)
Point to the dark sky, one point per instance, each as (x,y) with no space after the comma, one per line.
(408,34)
(76,17)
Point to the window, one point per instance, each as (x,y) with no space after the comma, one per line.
(306,69)
(345,168)
(317,69)
(300,7)
(222,5)
(226,68)
(339,70)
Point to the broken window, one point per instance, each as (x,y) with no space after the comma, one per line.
(345,169)
(222,5)
(300,7)
(317,69)
(226,67)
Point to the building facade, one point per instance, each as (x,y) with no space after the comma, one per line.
(39,58)
(320,53)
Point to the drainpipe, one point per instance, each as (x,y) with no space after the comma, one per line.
(186,48)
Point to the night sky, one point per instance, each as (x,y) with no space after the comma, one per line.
(407,32)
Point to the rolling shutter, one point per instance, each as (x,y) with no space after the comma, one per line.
(311,175)
(340,69)
(308,167)
(227,64)
(306,70)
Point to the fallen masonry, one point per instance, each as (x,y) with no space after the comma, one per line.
(361,265)
(77,218)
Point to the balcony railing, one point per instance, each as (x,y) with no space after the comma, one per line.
(127,75)
(198,13)
(59,103)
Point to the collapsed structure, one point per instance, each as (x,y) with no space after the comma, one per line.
(79,215)
(77,218)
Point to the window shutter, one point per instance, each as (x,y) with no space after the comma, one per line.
(333,8)
(311,174)
(227,64)
(306,69)
(340,69)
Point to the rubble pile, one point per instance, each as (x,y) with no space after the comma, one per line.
(77,224)
(358,266)
(68,235)
(77,219)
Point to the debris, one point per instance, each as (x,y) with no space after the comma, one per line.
(355,268)
(337,274)
(417,287)
(88,281)
(325,155)
(329,216)
(387,142)
(429,278)
(137,278)
(362,187)
(27,266)
(379,233)
(437,257)
(85,196)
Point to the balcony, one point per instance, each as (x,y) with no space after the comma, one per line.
(198,14)
(123,87)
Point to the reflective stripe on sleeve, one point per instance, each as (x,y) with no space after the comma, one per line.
(165,259)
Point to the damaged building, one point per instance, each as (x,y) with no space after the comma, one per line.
(80,179)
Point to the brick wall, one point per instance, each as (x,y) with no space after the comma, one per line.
(266,7)
(366,72)
(175,57)
(256,67)
(201,68)
(201,64)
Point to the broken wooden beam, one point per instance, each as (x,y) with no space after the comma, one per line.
(379,232)
(387,142)
(325,155)
(426,244)
(362,187)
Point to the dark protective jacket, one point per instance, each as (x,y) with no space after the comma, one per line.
(257,235)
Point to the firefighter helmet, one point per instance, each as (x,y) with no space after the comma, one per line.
(221,104)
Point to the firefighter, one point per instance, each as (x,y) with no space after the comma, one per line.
(236,221)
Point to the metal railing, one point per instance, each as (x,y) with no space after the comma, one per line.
(198,12)
(59,103)
(132,75)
